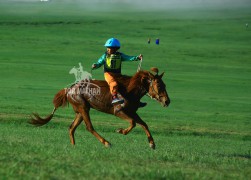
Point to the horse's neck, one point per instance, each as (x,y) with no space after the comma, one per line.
(136,88)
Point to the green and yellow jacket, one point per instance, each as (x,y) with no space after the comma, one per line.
(113,62)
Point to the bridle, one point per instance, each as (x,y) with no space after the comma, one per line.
(153,90)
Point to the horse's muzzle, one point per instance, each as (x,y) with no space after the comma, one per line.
(166,103)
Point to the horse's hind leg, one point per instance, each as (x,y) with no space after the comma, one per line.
(78,119)
(89,126)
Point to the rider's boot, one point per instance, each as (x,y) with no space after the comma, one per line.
(116,100)
(117,103)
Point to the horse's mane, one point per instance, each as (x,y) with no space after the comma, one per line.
(130,83)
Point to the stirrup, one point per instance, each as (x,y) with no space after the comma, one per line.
(117,101)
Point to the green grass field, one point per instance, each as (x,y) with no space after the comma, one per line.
(205,53)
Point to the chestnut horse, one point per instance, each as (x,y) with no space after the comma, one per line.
(96,94)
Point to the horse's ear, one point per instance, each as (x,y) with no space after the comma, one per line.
(154,69)
(161,75)
(150,76)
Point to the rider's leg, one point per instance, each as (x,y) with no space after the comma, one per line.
(113,88)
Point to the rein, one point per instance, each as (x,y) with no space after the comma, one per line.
(157,94)
(139,66)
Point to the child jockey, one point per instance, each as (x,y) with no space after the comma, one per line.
(112,60)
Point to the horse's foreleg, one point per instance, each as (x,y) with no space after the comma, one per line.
(89,127)
(78,119)
(145,127)
(130,120)
(133,119)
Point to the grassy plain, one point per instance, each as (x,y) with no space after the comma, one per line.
(206,56)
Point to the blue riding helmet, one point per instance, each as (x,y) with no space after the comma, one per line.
(112,42)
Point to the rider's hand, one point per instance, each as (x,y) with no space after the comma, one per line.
(140,57)
(94,66)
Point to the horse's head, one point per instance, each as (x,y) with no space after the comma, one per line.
(156,88)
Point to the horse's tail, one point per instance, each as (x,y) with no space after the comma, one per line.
(60,99)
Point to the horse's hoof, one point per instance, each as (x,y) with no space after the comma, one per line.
(152,146)
(120,130)
(107,144)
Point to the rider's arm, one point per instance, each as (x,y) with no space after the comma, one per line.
(100,62)
(129,58)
